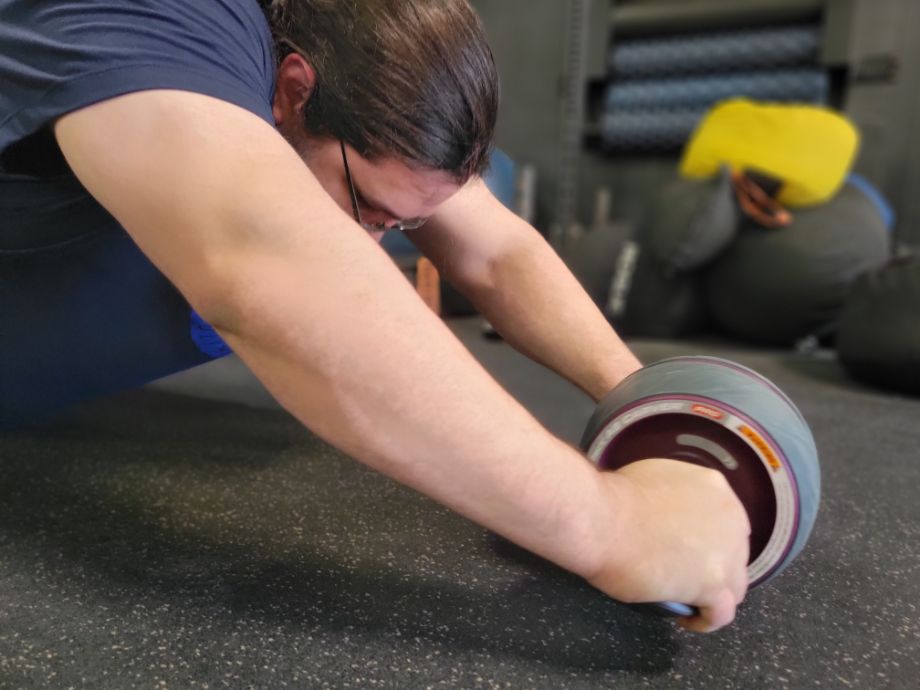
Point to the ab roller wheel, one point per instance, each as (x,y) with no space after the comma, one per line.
(724,416)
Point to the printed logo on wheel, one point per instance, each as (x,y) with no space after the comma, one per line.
(709,412)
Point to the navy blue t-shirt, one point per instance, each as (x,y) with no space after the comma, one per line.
(82,311)
(59,56)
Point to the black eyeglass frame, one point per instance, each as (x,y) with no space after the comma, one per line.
(398,226)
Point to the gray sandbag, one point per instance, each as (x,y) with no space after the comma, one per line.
(692,222)
(878,341)
(777,286)
(592,258)
(646,301)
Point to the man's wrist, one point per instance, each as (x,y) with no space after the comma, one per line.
(613,375)
(594,523)
(605,544)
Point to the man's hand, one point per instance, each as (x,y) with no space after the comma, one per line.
(682,535)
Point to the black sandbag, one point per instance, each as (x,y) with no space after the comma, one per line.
(646,301)
(777,286)
(878,341)
(692,222)
(454,302)
(592,258)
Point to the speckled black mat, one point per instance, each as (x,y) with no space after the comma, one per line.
(156,540)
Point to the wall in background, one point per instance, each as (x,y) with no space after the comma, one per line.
(887,113)
(528,42)
(528,39)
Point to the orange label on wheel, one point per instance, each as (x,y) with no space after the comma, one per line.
(762,446)
(707,412)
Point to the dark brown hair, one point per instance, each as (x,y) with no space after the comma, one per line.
(412,79)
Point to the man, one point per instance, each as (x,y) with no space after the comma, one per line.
(160,155)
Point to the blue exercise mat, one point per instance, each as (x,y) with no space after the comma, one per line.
(800,85)
(664,130)
(770,48)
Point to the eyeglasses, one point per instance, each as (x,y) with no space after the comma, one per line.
(399,226)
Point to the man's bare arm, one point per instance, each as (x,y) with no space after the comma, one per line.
(525,290)
(225,208)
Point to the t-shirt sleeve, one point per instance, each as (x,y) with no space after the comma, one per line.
(60,56)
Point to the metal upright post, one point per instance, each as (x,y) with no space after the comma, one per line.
(574,83)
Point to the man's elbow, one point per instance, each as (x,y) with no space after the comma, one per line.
(489,274)
(225,293)
(473,278)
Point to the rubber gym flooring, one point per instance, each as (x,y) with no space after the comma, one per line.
(158,540)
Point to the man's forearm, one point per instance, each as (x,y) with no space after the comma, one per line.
(540,308)
(382,378)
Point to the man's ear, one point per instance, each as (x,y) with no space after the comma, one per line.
(293,88)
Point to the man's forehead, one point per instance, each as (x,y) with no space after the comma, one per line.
(392,187)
